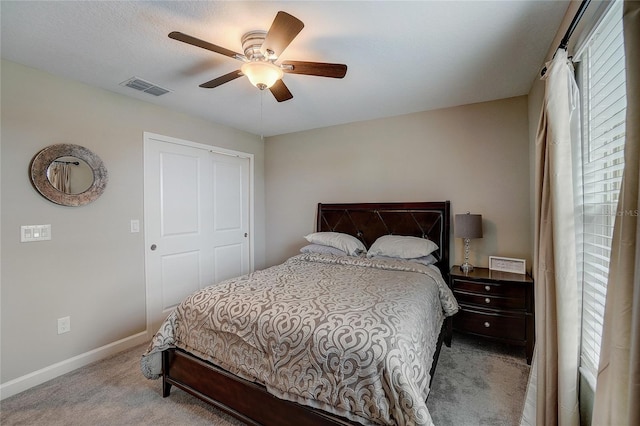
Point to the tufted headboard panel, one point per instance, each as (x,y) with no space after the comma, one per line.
(368,221)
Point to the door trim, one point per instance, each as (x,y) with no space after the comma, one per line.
(213,149)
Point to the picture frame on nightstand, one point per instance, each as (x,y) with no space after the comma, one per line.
(508,264)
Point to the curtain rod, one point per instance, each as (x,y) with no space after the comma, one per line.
(574,23)
(75,163)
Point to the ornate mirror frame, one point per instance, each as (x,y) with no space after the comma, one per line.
(43,159)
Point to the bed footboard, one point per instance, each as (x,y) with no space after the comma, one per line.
(240,398)
(248,401)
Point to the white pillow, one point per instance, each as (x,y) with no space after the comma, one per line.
(322,249)
(344,242)
(425,260)
(402,246)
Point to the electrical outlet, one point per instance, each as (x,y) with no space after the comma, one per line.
(64,325)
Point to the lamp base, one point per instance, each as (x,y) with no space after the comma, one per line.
(466,267)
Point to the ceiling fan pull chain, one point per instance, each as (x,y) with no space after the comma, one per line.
(261,120)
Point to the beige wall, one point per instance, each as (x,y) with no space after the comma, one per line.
(476,155)
(93,268)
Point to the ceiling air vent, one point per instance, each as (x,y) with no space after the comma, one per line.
(144,86)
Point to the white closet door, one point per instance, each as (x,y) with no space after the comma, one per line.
(196,219)
(230,216)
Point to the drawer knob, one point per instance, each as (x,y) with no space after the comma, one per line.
(487,325)
(487,287)
(487,300)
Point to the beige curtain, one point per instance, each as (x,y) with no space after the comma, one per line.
(617,399)
(552,393)
(59,174)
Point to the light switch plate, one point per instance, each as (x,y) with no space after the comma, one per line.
(135,225)
(30,233)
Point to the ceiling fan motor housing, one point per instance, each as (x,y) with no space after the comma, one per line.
(251,43)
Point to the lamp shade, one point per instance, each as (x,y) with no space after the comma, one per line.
(263,75)
(468,226)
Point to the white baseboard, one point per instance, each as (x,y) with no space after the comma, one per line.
(35,378)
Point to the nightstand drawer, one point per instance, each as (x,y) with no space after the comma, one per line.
(490,324)
(498,289)
(489,300)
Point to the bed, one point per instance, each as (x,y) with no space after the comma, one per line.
(320,339)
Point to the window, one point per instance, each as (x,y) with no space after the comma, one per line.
(601,78)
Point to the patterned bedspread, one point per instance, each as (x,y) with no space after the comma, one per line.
(349,335)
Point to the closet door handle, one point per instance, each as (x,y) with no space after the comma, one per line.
(153,247)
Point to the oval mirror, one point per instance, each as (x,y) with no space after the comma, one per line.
(69,175)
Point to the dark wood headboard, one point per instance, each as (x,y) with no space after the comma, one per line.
(368,221)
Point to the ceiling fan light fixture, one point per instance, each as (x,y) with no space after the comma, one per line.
(262,74)
(261,50)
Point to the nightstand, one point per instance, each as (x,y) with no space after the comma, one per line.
(497,305)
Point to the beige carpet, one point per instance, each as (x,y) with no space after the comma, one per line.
(475,384)
(478,383)
(109,392)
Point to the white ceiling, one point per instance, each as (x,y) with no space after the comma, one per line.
(402,57)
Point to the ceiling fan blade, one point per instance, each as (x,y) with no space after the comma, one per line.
(280,91)
(320,69)
(222,79)
(204,44)
(283,30)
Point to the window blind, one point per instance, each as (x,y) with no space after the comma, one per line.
(603,91)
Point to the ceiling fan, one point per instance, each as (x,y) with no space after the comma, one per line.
(261,51)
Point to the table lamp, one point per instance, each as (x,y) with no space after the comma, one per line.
(468,226)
